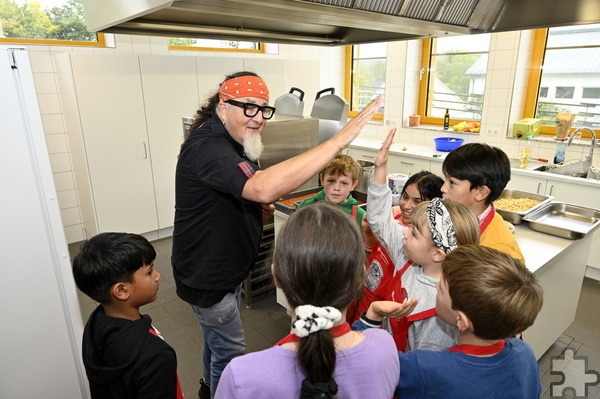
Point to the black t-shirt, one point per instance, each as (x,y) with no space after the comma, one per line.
(216,232)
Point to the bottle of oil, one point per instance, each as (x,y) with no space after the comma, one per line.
(525,151)
(447,119)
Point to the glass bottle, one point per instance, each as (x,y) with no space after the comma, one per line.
(447,119)
(525,151)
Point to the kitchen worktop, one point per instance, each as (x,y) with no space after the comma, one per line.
(428,152)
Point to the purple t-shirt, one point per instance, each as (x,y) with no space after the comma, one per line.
(368,370)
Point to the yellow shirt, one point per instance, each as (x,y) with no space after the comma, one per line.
(497,235)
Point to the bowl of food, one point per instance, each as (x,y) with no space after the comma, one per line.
(447,144)
(514,205)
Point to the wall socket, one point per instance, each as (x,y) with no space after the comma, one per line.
(492,132)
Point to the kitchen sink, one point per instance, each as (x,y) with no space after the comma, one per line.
(575,169)
(533,164)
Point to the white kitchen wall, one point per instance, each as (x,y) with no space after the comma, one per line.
(332,75)
(503,98)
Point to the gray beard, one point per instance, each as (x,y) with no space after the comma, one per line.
(253,146)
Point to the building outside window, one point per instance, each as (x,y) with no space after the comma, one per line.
(59,22)
(570,74)
(453,77)
(366,70)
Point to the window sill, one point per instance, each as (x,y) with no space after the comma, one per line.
(436,128)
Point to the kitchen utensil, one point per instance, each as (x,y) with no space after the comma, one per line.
(366,172)
(290,103)
(564,220)
(516,217)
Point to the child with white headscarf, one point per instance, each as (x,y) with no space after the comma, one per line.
(438,227)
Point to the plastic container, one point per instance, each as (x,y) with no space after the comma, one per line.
(559,155)
(414,120)
(396,182)
(447,144)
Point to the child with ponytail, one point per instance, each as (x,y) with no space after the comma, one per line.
(318,262)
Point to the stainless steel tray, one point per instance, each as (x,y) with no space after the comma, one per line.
(517,217)
(564,220)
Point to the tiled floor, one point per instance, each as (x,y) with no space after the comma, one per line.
(266,322)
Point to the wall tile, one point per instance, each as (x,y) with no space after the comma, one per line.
(53,123)
(74,233)
(57,143)
(70,216)
(45,83)
(60,162)
(64,181)
(49,104)
(67,199)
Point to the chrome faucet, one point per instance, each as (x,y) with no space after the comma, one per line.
(591,131)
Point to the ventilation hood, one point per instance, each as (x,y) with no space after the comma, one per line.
(331,22)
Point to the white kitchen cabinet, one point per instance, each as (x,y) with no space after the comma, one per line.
(396,163)
(528,183)
(407,165)
(563,191)
(360,153)
(170,92)
(103,102)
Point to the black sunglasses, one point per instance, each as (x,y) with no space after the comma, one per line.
(251,110)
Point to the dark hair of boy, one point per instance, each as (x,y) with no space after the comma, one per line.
(428,184)
(107,259)
(496,291)
(481,165)
(324,269)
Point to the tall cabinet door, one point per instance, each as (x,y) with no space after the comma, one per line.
(170,93)
(111,109)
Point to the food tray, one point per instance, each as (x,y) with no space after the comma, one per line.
(288,203)
(515,217)
(564,220)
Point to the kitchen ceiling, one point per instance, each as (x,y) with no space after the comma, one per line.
(331,22)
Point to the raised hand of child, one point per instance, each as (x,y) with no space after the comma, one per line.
(380,161)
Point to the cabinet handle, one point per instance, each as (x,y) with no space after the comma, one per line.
(145,151)
(551,188)
(538,189)
(368,156)
(407,163)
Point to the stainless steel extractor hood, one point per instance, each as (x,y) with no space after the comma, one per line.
(331,22)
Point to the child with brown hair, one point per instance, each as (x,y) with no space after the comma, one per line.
(338,179)
(488,295)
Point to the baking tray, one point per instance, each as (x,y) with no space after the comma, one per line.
(517,217)
(564,220)
(288,203)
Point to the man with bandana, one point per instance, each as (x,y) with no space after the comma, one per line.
(221,200)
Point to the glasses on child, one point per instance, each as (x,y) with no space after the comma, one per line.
(251,110)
